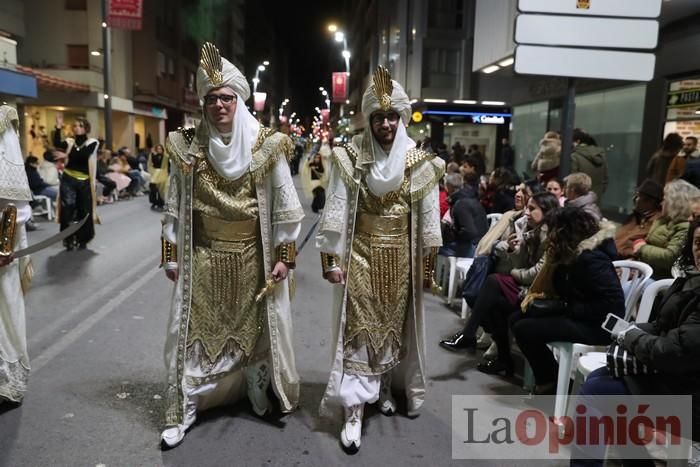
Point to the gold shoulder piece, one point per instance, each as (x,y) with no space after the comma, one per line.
(383,87)
(211,63)
(415,156)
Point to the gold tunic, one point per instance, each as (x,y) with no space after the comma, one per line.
(379,282)
(227,266)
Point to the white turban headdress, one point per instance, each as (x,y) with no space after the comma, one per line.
(232,159)
(386,171)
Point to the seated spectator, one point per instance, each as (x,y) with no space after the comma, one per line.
(517,261)
(579,271)
(103,171)
(556,187)
(118,174)
(37,184)
(158,164)
(547,159)
(47,168)
(121,165)
(647,209)
(663,243)
(668,345)
(498,195)
(468,220)
(444,205)
(452,168)
(579,194)
(678,164)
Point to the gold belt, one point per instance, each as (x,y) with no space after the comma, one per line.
(210,228)
(382,225)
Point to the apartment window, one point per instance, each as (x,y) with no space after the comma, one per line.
(190,79)
(171,68)
(76,5)
(162,70)
(446,14)
(78,56)
(440,67)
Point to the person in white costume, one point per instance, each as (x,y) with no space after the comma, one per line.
(378,237)
(231,222)
(15,274)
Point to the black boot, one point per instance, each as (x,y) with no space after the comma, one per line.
(496,367)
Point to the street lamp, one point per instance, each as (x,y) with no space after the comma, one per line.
(258,70)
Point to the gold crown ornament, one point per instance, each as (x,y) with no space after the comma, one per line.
(211,63)
(383,87)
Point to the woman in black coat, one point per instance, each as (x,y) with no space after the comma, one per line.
(669,345)
(579,271)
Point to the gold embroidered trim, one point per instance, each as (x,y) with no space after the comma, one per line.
(168,252)
(344,159)
(425,177)
(268,149)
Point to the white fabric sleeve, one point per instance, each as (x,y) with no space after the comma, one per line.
(331,232)
(287,212)
(170,229)
(430,212)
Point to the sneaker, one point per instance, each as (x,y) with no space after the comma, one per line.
(351,434)
(386,402)
(258,379)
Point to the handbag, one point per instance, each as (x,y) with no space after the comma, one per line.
(622,363)
(476,276)
(545,307)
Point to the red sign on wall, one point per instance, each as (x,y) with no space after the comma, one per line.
(340,87)
(125,14)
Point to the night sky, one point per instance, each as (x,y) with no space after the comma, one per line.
(300,34)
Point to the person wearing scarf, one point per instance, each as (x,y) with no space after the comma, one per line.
(231,221)
(378,237)
(15,274)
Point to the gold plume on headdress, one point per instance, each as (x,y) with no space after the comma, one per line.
(210,61)
(383,87)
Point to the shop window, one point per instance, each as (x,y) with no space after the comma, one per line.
(76,5)
(78,56)
(446,14)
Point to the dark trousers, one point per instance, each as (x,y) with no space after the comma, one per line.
(533,334)
(601,383)
(491,311)
(319,200)
(108,184)
(154,196)
(76,203)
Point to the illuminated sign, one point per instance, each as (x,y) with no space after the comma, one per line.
(417,117)
(489,119)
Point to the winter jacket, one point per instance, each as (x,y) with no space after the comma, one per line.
(588,203)
(637,227)
(444,205)
(589,285)
(525,262)
(671,345)
(657,168)
(36,183)
(677,167)
(549,155)
(692,172)
(591,160)
(664,243)
(469,222)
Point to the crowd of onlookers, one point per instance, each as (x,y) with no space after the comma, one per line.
(118,176)
(544,272)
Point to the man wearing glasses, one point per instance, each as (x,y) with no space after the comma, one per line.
(378,237)
(228,244)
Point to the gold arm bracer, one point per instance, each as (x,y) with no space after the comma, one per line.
(168,252)
(429,268)
(328,261)
(7,230)
(287,253)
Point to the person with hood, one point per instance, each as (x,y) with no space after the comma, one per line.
(590,159)
(578,271)
(15,274)
(378,236)
(660,162)
(678,164)
(579,194)
(548,158)
(229,234)
(662,245)
(468,217)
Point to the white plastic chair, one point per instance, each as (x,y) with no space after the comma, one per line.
(493,218)
(570,352)
(458,272)
(47,206)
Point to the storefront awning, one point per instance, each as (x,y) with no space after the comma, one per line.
(17,83)
(48,81)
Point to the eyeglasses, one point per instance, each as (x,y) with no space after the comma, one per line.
(225,99)
(378,118)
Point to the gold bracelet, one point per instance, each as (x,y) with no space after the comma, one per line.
(168,252)
(429,262)
(287,253)
(328,261)
(7,230)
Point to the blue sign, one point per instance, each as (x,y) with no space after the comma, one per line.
(17,84)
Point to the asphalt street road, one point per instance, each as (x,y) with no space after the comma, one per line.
(96,323)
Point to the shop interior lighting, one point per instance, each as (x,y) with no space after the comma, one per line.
(435,101)
(507,62)
(463,101)
(491,69)
(493,103)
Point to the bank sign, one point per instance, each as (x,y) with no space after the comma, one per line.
(683,98)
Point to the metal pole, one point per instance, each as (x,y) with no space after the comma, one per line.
(567,128)
(107,74)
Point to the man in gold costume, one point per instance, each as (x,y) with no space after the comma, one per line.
(229,231)
(378,238)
